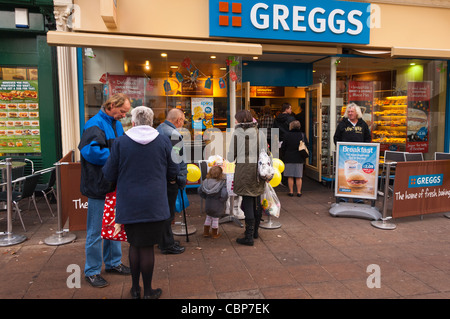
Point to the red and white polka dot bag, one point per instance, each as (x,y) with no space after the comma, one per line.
(108,222)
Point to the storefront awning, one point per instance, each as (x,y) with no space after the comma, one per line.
(78,39)
(398,52)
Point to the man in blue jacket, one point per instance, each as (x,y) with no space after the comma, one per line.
(98,135)
(174,120)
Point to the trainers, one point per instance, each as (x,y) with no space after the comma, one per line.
(96,281)
(121,269)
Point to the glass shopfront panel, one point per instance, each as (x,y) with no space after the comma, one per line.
(402,100)
(196,83)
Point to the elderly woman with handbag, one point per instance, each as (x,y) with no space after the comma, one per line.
(293,157)
(141,165)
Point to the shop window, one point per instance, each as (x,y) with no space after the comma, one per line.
(196,83)
(402,100)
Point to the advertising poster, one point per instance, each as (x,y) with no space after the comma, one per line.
(419,95)
(133,86)
(19,117)
(357,170)
(202,113)
(361,93)
(421,188)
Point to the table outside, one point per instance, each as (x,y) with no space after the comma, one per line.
(9,238)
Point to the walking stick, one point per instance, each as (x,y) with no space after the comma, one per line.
(184,216)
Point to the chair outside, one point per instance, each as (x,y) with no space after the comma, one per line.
(441,156)
(390,156)
(413,157)
(27,191)
(47,188)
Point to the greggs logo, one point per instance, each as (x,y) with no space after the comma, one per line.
(425,180)
(305,20)
(236,10)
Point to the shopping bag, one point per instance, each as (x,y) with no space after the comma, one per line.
(111,230)
(179,202)
(269,201)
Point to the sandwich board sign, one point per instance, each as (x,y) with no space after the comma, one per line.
(357,170)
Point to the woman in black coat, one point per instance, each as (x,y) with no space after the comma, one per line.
(292,159)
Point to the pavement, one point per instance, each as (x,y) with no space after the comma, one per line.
(313,255)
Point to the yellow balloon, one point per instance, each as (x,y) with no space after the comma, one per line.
(194,173)
(277,163)
(276,179)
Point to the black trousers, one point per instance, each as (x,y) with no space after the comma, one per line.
(251,207)
(167,236)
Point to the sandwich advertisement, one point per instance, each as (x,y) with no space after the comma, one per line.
(19,117)
(357,170)
(419,95)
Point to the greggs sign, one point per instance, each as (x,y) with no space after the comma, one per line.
(296,20)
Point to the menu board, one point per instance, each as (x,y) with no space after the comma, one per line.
(19,117)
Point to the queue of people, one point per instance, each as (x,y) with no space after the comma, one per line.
(146,165)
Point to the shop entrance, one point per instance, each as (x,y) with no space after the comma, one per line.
(313,131)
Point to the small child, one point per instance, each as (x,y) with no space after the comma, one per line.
(214,191)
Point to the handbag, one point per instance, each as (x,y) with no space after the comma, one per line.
(303,149)
(111,230)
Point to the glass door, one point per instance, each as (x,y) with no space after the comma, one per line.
(313,130)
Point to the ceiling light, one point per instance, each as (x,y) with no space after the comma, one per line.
(174,66)
(213,57)
(147,62)
(255,58)
(412,63)
(164,55)
(223,69)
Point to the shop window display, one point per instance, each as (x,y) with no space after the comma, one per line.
(402,100)
(195,83)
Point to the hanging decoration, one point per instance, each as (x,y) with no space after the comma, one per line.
(167,86)
(179,76)
(441,68)
(194,73)
(208,83)
(222,83)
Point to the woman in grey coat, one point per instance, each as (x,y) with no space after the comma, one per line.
(214,191)
(246,143)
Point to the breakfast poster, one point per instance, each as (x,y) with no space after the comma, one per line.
(19,117)
(202,113)
(419,95)
(357,170)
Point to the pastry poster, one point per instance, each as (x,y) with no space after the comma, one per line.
(202,113)
(19,117)
(361,93)
(419,95)
(357,170)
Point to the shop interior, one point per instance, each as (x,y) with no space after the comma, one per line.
(181,80)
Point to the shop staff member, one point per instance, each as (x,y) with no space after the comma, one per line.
(352,127)
(174,120)
(98,135)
